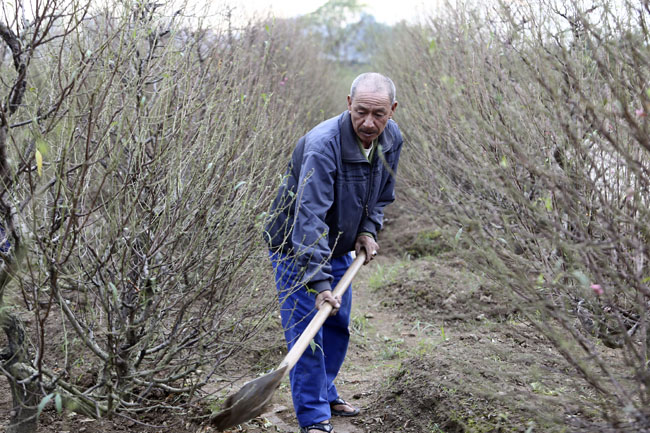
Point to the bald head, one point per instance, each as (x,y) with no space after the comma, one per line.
(373,82)
(371,104)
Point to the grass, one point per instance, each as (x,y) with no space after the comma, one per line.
(427,243)
(392,349)
(359,326)
(385,275)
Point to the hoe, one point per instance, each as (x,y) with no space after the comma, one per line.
(251,399)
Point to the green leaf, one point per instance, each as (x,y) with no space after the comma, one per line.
(548,203)
(647,92)
(581,277)
(314,346)
(239,185)
(114,291)
(504,162)
(646,280)
(42,146)
(448,81)
(39,162)
(432,46)
(458,235)
(43,403)
(58,403)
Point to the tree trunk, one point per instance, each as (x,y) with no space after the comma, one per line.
(14,358)
(17,366)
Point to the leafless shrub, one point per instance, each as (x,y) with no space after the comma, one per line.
(529,137)
(138,158)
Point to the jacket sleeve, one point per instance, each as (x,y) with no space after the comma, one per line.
(310,238)
(373,222)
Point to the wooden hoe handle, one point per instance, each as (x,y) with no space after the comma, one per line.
(323,313)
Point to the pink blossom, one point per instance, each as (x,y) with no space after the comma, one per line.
(597,289)
(640,113)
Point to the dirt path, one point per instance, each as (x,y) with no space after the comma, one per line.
(381,337)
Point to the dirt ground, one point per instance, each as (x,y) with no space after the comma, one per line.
(434,348)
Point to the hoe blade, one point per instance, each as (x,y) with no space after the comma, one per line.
(249,401)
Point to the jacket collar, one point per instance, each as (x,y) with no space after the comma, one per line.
(350,148)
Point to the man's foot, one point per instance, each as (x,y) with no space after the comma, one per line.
(318,427)
(340,407)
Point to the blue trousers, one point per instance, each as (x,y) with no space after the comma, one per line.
(312,379)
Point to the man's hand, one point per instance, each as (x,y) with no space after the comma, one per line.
(369,245)
(326,296)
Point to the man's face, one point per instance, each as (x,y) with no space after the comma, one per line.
(370,111)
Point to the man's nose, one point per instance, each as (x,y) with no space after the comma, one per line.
(367,122)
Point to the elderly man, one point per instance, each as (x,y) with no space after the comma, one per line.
(332,199)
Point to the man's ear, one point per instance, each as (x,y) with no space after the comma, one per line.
(349,103)
(392,108)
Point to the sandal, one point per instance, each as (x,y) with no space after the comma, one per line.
(340,401)
(322,426)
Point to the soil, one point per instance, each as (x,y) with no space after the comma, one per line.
(434,348)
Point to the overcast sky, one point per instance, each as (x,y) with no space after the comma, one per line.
(386,11)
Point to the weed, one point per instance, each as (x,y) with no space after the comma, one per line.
(540,388)
(392,349)
(384,275)
(359,325)
(424,347)
(215,404)
(427,243)
(443,336)
(421,327)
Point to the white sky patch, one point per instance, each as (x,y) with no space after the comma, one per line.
(385,11)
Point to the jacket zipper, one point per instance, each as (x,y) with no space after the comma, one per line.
(369,186)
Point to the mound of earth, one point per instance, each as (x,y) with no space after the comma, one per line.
(485,380)
(490,370)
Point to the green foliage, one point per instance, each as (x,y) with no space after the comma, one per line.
(384,275)
(427,243)
(392,349)
(359,325)
(540,388)
(314,347)
(333,12)
(349,34)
